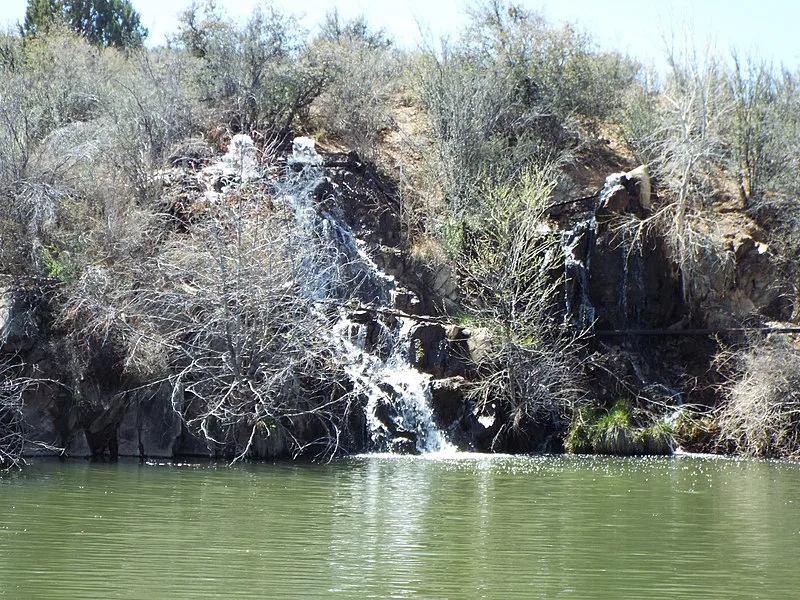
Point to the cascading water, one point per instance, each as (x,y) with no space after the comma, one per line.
(398,395)
(578,244)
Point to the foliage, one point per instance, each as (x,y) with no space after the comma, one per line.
(713,125)
(364,79)
(615,431)
(554,68)
(261,76)
(509,94)
(507,264)
(101,22)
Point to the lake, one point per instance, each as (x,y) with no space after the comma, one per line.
(404,527)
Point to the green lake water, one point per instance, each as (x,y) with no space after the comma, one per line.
(501,527)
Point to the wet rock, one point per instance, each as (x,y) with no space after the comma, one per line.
(385,414)
(447,400)
(484,422)
(428,348)
(361,316)
(458,359)
(633,282)
(404,442)
(407,301)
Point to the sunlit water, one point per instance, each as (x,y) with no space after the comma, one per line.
(544,527)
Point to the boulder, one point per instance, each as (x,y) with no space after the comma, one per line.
(19,325)
(484,422)
(626,193)
(404,442)
(447,400)
(479,344)
(428,348)
(192,153)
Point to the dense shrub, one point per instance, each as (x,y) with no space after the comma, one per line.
(512,92)
(261,76)
(761,415)
(365,73)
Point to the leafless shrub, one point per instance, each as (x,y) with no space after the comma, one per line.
(247,348)
(682,132)
(761,415)
(12,426)
(55,81)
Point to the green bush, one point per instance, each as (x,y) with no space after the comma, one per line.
(615,431)
(507,261)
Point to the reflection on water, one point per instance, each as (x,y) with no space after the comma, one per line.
(502,527)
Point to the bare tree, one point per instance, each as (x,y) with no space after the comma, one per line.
(248,343)
(12,427)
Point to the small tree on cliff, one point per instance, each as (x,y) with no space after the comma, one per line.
(102,22)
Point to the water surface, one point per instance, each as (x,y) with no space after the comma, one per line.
(503,527)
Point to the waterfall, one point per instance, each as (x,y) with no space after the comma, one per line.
(578,244)
(631,294)
(376,351)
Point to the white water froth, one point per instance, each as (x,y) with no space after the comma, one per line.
(394,381)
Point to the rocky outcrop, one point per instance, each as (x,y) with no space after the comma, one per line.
(19,318)
(627,193)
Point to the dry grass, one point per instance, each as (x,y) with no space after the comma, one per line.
(761,415)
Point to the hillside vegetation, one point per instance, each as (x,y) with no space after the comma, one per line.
(125,282)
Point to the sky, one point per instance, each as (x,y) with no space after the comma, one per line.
(764,28)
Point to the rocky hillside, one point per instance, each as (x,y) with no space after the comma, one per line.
(252,245)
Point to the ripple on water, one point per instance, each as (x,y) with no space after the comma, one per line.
(448,526)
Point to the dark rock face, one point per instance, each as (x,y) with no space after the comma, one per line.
(428,350)
(632,282)
(19,319)
(447,400)
(150,427)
